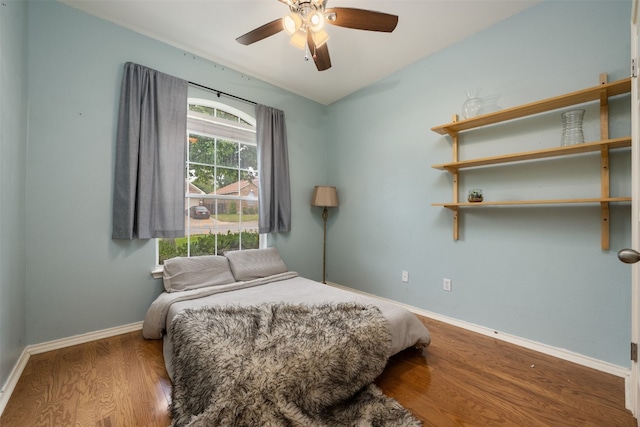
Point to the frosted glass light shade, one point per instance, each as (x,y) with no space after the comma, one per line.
(320,38)
(291,23)
(299,39)
(316,21)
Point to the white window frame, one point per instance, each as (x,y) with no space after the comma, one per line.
(158,270)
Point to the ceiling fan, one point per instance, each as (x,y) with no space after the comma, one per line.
(305,25)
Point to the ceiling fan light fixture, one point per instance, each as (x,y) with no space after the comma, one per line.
(305,24)
(299,39)
(320,37)
(291,23)
(315,20)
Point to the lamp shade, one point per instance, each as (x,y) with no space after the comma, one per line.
(291,23)
(316,21)
(299,39)
(324,196)
(320,38)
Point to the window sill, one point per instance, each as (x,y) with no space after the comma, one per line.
(157,272)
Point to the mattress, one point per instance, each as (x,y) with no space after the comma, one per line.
(405,328)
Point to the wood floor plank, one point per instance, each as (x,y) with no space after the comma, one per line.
(461,379)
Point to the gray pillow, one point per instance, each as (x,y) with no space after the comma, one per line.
(181,273)
(252,264)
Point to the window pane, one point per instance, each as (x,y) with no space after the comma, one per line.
(248,156)
(202,149)
(203,178)
(227,180)
(227,153)
(210,111)
(228,116)
(249,236)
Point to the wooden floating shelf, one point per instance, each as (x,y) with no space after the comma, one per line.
(601,93)
(595,93)
(595,200)
(588,147)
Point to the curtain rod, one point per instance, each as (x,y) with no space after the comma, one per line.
(219,92)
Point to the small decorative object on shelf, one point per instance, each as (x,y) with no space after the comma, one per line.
(572,127)
(473,105)
(475,196)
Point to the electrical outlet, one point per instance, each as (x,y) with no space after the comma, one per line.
(446,284)
(405,276)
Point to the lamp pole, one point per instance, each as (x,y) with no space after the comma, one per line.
(325,217)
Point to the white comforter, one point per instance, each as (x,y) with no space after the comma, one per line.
(406,330)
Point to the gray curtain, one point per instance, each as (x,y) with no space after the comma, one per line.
(148,195)
(273,167)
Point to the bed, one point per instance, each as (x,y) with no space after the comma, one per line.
(259,278)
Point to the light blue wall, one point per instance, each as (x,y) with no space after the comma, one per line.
(79,279)
(538,273)
(534,272)
(13,143)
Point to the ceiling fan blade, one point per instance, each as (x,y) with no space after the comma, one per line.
(260,33)
(320,54)
(361,19)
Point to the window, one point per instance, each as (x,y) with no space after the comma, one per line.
(221,186)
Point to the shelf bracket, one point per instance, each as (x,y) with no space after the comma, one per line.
(604,215)
(604,165)
(604,193)
(456,221)
(604,109)
(454,140)
(456,188)
(455,210)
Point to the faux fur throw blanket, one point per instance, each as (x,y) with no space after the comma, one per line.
(277,365)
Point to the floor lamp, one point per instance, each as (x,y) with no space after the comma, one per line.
(327,197)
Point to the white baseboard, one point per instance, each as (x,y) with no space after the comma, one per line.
(12,381)
(83,338)
(560,353)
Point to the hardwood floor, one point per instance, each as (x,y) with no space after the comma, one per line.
(467,379)
(462,379)
(117,381)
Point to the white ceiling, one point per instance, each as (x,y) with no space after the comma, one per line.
(208,28)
